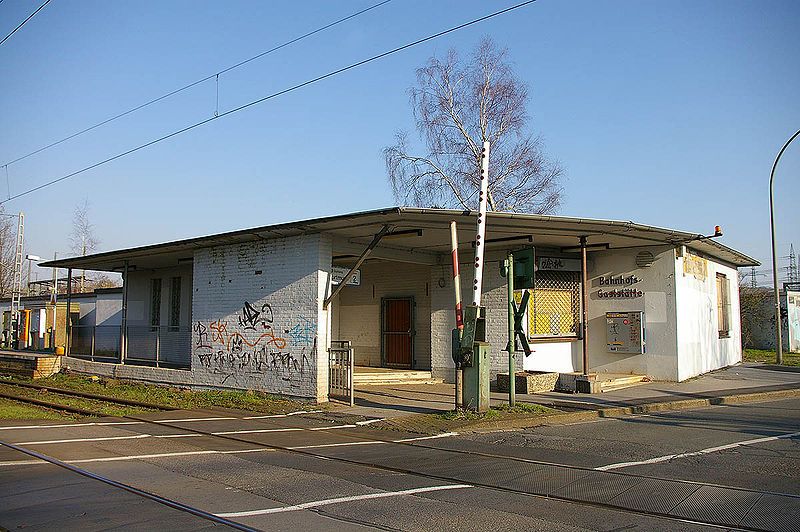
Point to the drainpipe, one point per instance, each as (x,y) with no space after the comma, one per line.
(123,344)
(68,317)
(584,313)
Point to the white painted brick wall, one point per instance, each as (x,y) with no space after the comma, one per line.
(272,345)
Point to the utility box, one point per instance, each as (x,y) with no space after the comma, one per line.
(625,332)
(476,379)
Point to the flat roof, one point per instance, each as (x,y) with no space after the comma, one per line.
(423,231)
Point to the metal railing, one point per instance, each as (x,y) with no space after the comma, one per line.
(98,343)
(162,347)
(341,364)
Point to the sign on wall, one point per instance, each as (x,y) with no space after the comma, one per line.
(625,332)
(619,286)
(338,273)
(695,266)
(559,264)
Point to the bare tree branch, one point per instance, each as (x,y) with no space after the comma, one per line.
(457,106)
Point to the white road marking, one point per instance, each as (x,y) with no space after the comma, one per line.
(339,500)
(434,437)
(136,457)
(345,444)
(70,425)
(76,440)
(193,435)
(257,431)
(285,415)
(374,442)
(697,453)
(193,419)
(286,429)
(369,421)
(191,453)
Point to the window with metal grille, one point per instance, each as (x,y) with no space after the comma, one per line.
(155,302)
(723,306)
(554,306)
(175,303)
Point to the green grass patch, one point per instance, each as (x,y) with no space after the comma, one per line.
(100,407)
(766,356)
(175,397)
(15,410)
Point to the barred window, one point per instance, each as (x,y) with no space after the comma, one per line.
(175,303)
(723,306)
(155,302)
(554,305)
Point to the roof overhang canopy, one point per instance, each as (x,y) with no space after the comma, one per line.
(419,235)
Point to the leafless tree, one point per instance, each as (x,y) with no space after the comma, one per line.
(105,281)
(82,238)
(457,106)
(8,245)
(755,304)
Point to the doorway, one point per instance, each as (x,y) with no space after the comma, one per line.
(397,332)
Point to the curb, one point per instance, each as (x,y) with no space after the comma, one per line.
(589,415)
(612,412)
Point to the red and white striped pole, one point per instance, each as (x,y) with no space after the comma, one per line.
(459,311)
(456,276)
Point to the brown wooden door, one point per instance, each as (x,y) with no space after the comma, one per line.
(397,332)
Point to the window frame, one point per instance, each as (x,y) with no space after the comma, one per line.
(575,303)
(723,305)
(175,303)
(155,303)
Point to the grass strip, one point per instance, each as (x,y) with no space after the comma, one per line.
(174,397)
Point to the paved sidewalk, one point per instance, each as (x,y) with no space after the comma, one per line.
(400,400)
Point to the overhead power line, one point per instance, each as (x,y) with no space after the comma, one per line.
(273,95)
(24,21)
(215,75)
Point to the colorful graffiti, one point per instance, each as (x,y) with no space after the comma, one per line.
(251,347)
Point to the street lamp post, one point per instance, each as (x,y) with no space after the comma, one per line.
(31,259)
(778,340)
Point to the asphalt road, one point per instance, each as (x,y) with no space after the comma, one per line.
(735,466)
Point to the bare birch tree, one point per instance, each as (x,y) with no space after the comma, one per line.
(82,238)
(457,106)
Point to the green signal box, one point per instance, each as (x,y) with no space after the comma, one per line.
(524,271)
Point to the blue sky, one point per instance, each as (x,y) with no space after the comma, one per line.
(665,113)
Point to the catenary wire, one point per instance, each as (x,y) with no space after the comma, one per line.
(197,82)
(271,96)
(24,21)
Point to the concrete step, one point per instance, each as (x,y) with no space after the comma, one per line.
(618,383)
(393,377)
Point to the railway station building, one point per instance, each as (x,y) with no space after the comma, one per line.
(259,308)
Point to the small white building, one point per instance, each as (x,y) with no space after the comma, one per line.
(253,308)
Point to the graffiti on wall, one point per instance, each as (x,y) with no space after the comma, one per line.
(249,345)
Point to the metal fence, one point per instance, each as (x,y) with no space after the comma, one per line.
(162,347)
(341,364)
(554,307)
(98,343)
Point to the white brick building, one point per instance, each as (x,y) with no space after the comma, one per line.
(248,309)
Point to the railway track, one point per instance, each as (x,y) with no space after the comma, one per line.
(55,393)
(623,480)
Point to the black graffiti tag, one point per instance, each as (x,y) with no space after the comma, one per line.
(251,319)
